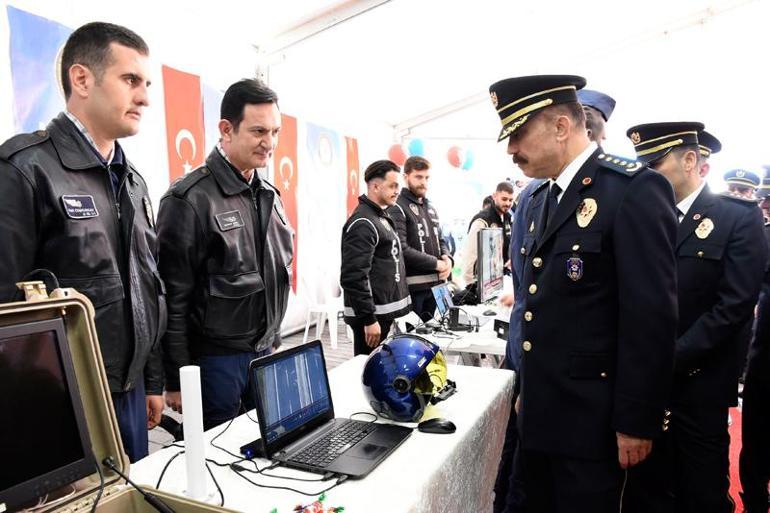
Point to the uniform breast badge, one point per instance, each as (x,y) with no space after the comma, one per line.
(705,228)
(414,209)
(574,268)
(586,212)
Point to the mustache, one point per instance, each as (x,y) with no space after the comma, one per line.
(517,159)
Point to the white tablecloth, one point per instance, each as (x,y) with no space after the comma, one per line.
(428,473)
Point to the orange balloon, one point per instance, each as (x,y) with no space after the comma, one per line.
(456,156)
(397,154)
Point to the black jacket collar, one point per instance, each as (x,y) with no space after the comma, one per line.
(406,193)
(74,151)
(230,180)
(364,200)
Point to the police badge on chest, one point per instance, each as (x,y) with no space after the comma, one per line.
(574,268)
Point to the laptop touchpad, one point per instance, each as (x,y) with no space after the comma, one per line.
(366,451)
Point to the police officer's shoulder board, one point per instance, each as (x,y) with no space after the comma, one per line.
(183,184)
(737,198)
(624,166)
(21,141)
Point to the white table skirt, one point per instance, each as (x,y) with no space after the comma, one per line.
(428,473)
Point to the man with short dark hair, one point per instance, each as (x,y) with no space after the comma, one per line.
(226,249)
(497,215)
(721,258)
(73,204)
(426,255)
(594,370)
(372,274)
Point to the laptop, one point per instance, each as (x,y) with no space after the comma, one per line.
(297,423)
(443,298)
(444,305)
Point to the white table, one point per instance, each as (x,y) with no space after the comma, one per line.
(428,473)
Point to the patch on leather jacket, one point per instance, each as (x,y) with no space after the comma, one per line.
(79,206)
(229,220)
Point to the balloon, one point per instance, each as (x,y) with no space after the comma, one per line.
(469,158)
(455,156)
(416,148)
(397,154)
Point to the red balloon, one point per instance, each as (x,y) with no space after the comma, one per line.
(456,156)
(397,154)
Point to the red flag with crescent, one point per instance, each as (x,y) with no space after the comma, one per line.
(285,165)
(352,175)
(184,121)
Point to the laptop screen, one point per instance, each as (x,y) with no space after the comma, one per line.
(443,298)
(291,391)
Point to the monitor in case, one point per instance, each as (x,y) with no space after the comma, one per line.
(490,263)
(45,441)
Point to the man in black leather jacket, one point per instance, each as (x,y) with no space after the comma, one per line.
(226,250)
(74,205)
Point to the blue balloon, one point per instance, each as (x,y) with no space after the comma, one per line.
(416,148)
(468,160)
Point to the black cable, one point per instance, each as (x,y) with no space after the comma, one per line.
(101,487)
(376,418)
(219,489)
(165,467)
(340,480)
(236,456)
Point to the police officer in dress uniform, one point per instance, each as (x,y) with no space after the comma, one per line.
(598,108)
(742,183)
(426,255)
(372,275)
(594,373)
(226,249)
(755,415)
(719,271)
(73,204)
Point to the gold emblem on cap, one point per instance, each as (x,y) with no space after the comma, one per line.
(636,138)
(705,228)
(740,174)
(493,97)
(586,212)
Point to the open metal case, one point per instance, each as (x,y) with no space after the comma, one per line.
(77,314)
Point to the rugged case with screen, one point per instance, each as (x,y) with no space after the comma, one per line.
(78,314)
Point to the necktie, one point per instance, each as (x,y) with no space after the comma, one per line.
(553,203)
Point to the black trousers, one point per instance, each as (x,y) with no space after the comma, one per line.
(688,470)
(424,304)
(558,484)
(755,453)
(359,337)
(509,488)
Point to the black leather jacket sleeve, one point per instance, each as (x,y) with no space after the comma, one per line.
(153,372)
(358,243)
(179,262)
(18,228)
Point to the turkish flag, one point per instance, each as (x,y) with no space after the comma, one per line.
(184,122)
(285,166)
(352,174)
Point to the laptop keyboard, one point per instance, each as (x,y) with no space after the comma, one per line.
(326,449)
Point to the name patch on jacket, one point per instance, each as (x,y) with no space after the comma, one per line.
(229,220)
(79,207)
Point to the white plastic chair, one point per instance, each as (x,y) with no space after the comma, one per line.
(328,309)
